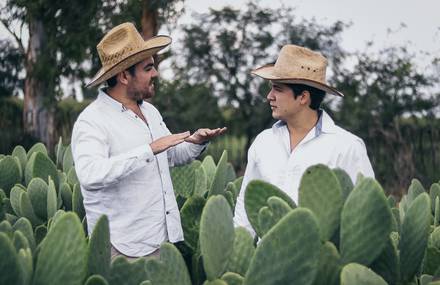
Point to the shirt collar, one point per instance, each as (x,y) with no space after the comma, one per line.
(325,124)
(107,99)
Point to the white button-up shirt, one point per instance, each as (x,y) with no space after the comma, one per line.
(270,158)
(121,177)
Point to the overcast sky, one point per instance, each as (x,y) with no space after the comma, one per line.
(372,20)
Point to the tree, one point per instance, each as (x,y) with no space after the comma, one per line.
(221,47)
(386,100)
(59,36)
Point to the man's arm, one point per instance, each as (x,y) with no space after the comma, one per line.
(356,161)
(94,166)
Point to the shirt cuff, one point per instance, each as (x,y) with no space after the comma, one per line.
(197,149)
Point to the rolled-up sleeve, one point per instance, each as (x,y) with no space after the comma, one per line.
(95,168)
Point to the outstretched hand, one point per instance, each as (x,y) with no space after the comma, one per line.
(202,135)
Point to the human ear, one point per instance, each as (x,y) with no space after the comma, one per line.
(123,77)
(305,97)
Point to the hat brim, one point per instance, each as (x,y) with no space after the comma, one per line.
(149,48)
(267,72)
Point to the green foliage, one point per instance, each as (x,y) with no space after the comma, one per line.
(354,273)
(98,260)
(62,253)
(10,173)
(365,223)
(297,262)
(321,192)
(256,195)
(216,236)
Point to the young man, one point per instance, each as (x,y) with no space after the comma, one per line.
(123,150)
(304,135)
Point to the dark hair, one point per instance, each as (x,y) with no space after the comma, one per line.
(316,95)
(112,81)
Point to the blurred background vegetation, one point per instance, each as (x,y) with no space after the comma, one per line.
(389,102)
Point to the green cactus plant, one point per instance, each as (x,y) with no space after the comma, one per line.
(52,203)
(232,278)
(414,236)
(242,252)
(169,269)
(62,262)
(24,226)
(221,176)
(96,280)
(387,263)
(67,159)
(184,178)
(10,173)
(77,202)
(434,191)
(123,272)
(329,266)
(256,195)
(98,261)
(201,181)
(20,153)
(9,264)
(297,261)
(358,274)
(191,213)
(415,189)
(269,215)
(38,147)
(345,182)
(25,261)
(366,222)
(209,166)
(38,192)
(216,236)
(40,165)
(321,192)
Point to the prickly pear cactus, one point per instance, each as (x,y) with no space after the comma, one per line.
(169,269)
(63,253)
(366,221)
(329,266)
(256,196)
(99,249)
(242,252)
(9,264)
(321,192)
(10,173)
(127,273)
(358,274)
(184,178)
(414,236)
(40,165)
(191,214)
(297,262)
(221,176)
(216,236)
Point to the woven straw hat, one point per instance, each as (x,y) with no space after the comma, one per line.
(298,65)
(123,47)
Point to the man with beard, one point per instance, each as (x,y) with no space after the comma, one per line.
(122,149)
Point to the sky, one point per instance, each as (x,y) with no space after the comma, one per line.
(378,21)
(414,24)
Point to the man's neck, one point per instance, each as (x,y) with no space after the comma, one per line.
(303,122)
(300,125)
(120,96)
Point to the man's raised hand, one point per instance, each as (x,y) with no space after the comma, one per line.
(202,135)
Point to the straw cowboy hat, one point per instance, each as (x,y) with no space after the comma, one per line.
(123,47)
(298,65)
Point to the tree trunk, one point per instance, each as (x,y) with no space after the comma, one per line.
(149,21)
(38,115)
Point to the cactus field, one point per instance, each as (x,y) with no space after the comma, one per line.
(339,233)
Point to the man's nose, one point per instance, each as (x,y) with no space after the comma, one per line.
(270,96)
(155,72)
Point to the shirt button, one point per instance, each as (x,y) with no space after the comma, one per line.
(149,160)
(167,212)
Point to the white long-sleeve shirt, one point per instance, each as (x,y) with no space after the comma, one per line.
(270,159)
(122,178)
